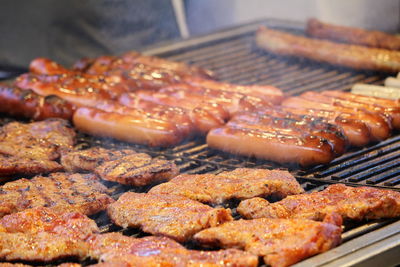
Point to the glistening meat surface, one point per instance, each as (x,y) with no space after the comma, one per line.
(281,242)
(63,192)
(241,183)
(355,203)
(42,234)
(170,215)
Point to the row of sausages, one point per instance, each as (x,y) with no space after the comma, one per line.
(103,97)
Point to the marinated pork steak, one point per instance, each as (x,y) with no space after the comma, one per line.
(173,216)
(36,140)
(89,159)
(137,169)
(60,191)
(12,165)
(42,234)
(241,183)
(115,249)
(282,242)
(355,203)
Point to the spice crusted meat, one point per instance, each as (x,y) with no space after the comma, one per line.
(89,159)
(355,203)
(37,140)
(11,165)
(115,249)
(173,216)
(242,183)
(63,192)
(282,242)
(42,234)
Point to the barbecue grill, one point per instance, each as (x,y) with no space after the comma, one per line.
(232,55)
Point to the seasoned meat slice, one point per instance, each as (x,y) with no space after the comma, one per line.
(355,203)
(282,242)
(89,159)
(60,191)
(241,183)
(42,234)
(12,165)
(116,249)
(37,140)
(173,216)
(137,169)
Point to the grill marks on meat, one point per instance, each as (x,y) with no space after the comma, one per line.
(11,165)
(37,140)
(281,242)
(137,169)
(114,249)
(355,203)
(121,166)
(241,183)
(89,159)
(173,216)
(60,191)
(42,234)
(353,56)
(29,149)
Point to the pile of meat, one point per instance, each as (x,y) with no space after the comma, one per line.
(152,101)
(45,218)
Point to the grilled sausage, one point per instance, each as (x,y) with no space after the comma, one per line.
(301,128)
(379,127)
(178,117)
(77,90)
(233,102)
(273,146)
(266,92)
(351,35)
(139,128)
(28,104)
(353,56)
(47,66)
(388,107)
(356,131)
(157,62)
(204,115)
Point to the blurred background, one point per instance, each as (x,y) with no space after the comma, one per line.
(66,30)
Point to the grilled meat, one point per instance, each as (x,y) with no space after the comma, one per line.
(302,127)
(139,128)
(137,169)
(353,56)
(11,165)
(355,203)
(89,159)
(281,242)
(278,146)
(41,234)
(28,104)
(119,250)
(37,140)
(351,35)
(60,191)
(173,216)
(241,183)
